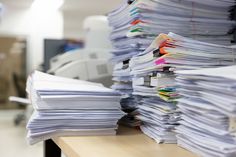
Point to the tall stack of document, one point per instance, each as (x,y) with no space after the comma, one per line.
(208,125)
(156,86)
(136,24)
(154,79)
(66,107)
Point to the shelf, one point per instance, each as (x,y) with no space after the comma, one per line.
(128,143)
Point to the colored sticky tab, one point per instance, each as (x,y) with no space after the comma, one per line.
(163,44)
(166,98)
(160,61)
(135,22)
(232,125)
(159,40)
(167,43)
(167,89)
(135,9)
(163,51)
(136,30)
(134,13)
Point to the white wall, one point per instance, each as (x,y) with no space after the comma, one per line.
(36,25)
(73,24)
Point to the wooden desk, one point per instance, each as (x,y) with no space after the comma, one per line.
(128,143)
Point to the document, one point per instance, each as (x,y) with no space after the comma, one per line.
(147,56)
(211,114)
(67,107)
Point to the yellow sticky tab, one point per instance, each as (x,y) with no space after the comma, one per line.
(232,125)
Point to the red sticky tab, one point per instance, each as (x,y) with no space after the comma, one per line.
(163,44)
(135,22)
(167,43)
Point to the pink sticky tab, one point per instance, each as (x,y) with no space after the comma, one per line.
(160,61)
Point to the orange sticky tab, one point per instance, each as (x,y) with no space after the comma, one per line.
(163,44)
(162,51)
(161,40)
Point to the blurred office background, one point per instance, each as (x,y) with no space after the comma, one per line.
(31,33)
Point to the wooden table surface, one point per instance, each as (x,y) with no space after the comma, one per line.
(128,143)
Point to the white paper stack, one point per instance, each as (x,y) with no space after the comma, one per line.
(153,75)
(156,86)
(159,119)
(208,125)
(122,78)
(136,23)
(186,53)
(123,85)
(66,107)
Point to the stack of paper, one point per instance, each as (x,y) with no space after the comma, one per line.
(158,119)
(136,23)
(123,85)
(186,53)
(65,107)
(154,78)
(122,78)
(208,125)
(156,86)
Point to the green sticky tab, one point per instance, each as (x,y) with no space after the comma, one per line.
(136,30)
